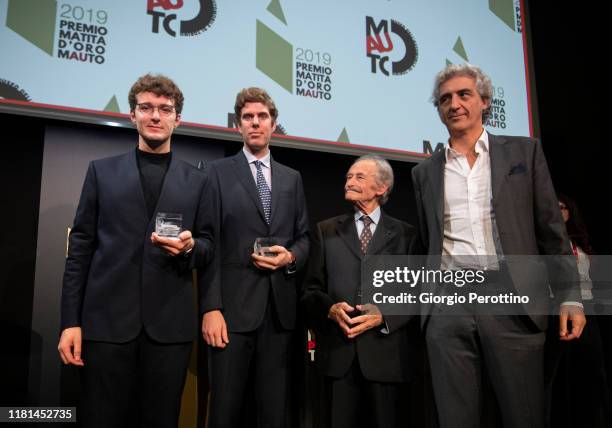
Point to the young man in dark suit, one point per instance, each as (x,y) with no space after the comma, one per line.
(250,301)
(365,358)
(128,303)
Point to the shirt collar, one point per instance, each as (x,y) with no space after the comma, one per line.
(250,157)
(374,215)
(482,145)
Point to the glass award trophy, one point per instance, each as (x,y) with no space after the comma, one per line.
(262,247)
(168,225)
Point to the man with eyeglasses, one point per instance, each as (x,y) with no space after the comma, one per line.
(249,305)
(128,305)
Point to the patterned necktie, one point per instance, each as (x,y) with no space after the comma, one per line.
(366,233)
(265,195)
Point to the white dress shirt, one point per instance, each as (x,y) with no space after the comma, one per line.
(584,266)
(468,214)
(265,168)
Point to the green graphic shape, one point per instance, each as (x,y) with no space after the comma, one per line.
(460,49)
(504,10)
(344,138)
(34,20)
(448,62)
(274,56)
(276,9)
(112,105)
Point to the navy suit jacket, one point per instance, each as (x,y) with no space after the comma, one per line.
(116,281)
(233,284)
(334,275)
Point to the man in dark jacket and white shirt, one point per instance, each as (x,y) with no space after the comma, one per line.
(483,201)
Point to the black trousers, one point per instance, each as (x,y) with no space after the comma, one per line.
(262,355)
(507,347)
(577,392)
(357,402)
(138,383)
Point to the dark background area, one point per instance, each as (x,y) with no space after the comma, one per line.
(568,61)
(567,66)
(20,173)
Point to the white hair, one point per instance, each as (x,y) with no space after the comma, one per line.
(384,174)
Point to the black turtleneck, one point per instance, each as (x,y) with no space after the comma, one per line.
(153,168)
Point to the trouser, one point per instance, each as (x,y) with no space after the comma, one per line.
(358,402)
(465,340)
(508,347)
(138,383)
(264,352)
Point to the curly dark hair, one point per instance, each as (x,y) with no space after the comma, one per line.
(161,86)
(576,229)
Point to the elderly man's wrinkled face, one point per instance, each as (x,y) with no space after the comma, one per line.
(361,184)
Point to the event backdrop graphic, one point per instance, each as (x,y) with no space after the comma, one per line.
(340,71)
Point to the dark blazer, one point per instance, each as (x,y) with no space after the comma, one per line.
(234,285)
(115,280)
(334,275)
(526,212)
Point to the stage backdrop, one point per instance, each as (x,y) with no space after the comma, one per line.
(347,75)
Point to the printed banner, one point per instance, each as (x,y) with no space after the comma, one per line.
(342,72)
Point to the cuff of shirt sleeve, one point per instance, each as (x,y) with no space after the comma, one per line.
(187,253)
(291,268)
(580,305)
(385,329)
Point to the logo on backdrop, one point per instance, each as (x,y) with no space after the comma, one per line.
(380,47)
(82,36)
(498,118)
(12,91)
(166,16)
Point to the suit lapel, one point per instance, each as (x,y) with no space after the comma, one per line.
(499,165)
(243,172)
(435,174)
(382,236)
(347,231)
(133,180)
(277,178)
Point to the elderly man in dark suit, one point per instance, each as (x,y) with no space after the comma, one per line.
(128,303)
(251,297)
(364,357)
(488,195)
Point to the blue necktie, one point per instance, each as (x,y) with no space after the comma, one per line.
(265,195)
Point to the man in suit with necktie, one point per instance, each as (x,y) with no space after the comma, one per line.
(128,303)
(251,298)
(364,356)
(491,196)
